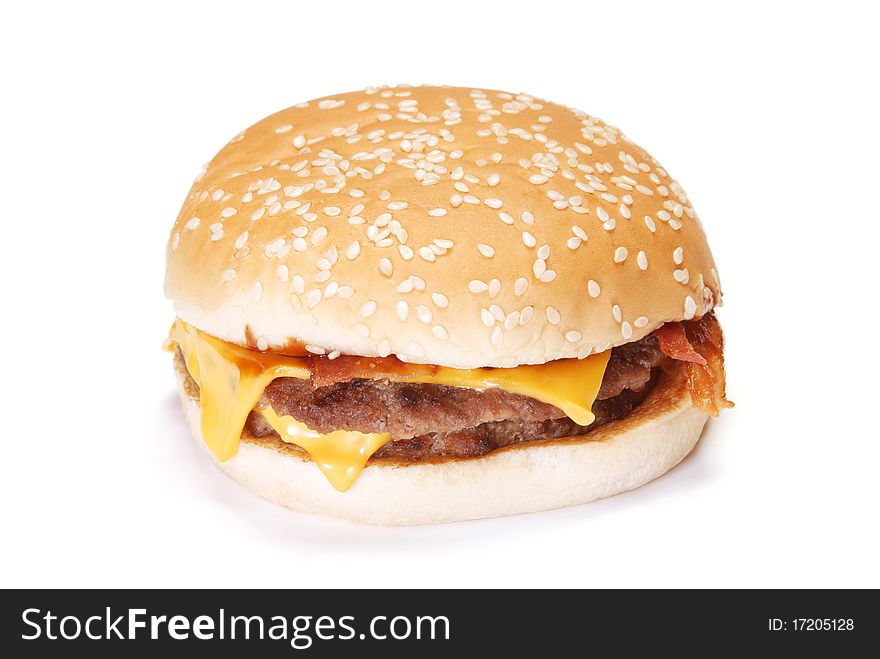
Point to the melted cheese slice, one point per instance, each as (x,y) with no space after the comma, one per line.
(232,379)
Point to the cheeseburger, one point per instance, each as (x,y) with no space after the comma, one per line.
(419,304)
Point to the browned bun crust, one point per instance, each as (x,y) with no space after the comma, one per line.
(444,225)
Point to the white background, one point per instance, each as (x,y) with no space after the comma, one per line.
(766,113)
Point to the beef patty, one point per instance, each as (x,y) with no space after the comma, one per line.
(426,420)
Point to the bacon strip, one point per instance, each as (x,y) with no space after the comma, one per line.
(674,343)
(700,344)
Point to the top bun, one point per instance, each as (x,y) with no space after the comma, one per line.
(444,225)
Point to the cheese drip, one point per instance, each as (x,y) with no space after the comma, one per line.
(340,455)
(232,379)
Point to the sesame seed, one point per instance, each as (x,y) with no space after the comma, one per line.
(642,260)
(193,223)
(493,180)
(494,288)
(626,330)
(487,317)
(397,205)
(504,217)
(427,254)
(573,336)
(526,316)
(486,250)
(385,266)
(437,212)
(406,252)
(492,202)
(649,222)
(424,314)
(497,336)
(440,300)
(678,255)
(682,276)
(615,312)
(368,309)
(544,252)
(690,307)
(641,321)
(593,288)
(402,309)
(521,286)
(553,316)
(537,179)
(620,254)
(262,343)
(332,211)
(477,286)
(313,297)
(440,332)
(241,241)
(527,217)
(299,284)
(528,239)
(405,286)
(353,250)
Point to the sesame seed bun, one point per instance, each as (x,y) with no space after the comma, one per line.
(614,458)
(444,225)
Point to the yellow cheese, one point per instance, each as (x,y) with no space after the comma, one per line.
(340,455)
(232,379)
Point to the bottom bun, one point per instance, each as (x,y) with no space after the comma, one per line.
(520,478)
